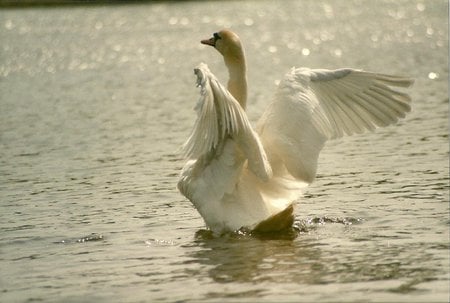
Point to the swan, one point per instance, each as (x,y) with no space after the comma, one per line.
(238,176)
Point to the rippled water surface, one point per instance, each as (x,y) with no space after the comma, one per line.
(96,101)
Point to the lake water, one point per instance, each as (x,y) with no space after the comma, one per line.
(97,100)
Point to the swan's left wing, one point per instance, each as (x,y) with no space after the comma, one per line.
(220,117)
(312,106)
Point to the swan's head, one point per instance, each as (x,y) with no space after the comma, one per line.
(227,43)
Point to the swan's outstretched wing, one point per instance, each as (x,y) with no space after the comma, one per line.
(221,117)
(312,106)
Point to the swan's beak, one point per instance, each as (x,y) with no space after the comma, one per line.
(211,41)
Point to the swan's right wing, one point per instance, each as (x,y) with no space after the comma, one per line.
(219,118)
(312,106)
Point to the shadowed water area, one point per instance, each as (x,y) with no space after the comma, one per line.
(95,102)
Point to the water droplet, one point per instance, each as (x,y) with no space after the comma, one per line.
(273,49)
(338,52)
(433,75)
(305,52)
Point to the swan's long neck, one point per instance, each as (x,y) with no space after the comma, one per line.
(237,83)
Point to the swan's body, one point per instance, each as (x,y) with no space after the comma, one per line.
(238,177)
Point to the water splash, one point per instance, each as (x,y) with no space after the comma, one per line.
(93,237)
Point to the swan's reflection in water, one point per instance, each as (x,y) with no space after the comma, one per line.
(305,258)
(242,257)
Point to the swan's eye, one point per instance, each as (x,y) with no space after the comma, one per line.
(216,37)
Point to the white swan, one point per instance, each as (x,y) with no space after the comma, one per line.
(238,177)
